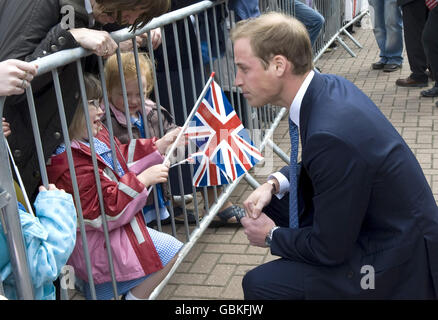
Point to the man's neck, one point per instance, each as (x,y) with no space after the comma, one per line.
(293,84)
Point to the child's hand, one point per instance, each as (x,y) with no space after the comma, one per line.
(51,187)
(6,128)
(166,141)
(155,174)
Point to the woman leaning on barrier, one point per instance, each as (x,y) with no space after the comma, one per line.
(35,29)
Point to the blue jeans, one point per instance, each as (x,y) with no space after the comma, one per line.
(311,18)
(388,30)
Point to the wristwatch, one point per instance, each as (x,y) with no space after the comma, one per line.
(268,238)
(274,186)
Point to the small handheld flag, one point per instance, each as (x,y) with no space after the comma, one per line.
(223,148)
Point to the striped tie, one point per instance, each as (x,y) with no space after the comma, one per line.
(293,208)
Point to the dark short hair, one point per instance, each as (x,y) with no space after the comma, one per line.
(151,9)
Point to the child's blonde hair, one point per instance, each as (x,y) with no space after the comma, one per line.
(112,76)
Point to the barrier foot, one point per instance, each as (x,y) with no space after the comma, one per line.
(342,43)
(348,34)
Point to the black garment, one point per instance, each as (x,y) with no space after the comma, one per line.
(414,18)
(172,62)
(430,42)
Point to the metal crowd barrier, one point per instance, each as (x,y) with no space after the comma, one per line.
(191,25)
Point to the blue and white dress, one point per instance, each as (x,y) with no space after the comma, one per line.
(166,245)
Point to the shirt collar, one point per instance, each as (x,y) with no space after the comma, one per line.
(295,107)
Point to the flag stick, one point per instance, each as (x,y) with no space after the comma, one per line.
(189,118)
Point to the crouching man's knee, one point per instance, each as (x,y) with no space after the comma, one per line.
(252,285)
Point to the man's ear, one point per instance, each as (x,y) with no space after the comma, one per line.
(281,64)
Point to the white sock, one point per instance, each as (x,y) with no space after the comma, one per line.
(130,296)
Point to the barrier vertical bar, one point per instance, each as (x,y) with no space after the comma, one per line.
(97,178)
(12,224)
(71,167)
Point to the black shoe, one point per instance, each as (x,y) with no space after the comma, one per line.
(178,213)
(390,67)
(431,93)
(377,65)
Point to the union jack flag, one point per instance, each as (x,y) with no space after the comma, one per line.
(224,151)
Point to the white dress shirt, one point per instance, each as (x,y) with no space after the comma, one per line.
(294,114)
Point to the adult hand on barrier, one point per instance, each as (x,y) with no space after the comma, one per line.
(127,44)
(155,38)
(155,174)
(15,76)
(100,42)
(6,128)
(257,200)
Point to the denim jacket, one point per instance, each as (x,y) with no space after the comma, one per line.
(244,9)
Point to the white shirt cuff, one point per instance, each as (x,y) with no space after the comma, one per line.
(283,181)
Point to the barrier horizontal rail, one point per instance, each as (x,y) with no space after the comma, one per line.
(57,59)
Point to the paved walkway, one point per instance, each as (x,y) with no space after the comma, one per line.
(217,263)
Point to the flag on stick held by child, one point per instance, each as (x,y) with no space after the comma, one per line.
(224,150)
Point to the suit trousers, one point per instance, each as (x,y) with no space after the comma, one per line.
(414,18)
(430,42)
(281,278)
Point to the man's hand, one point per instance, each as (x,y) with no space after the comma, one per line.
(257,200)
(257,229)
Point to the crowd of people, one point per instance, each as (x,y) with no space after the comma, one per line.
(358,197)
(415,21)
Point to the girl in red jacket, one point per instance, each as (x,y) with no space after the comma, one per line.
(142,256)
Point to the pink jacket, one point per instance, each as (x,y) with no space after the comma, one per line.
(134,254)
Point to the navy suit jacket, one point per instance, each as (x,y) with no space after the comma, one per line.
(364,201)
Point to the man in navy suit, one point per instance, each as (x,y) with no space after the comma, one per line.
(368,221)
